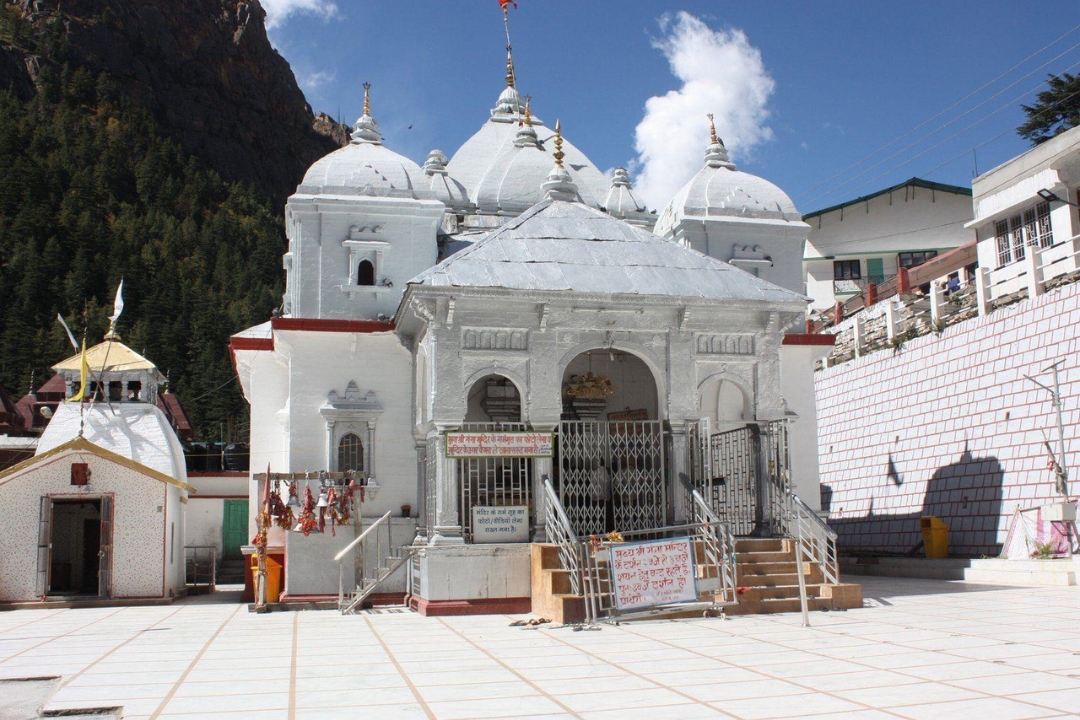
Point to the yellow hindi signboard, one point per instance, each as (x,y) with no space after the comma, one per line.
(526,444)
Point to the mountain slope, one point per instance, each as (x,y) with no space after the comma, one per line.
(203,69)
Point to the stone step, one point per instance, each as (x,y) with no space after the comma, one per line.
(761,545)
(765,556)
(777,605)
(778,592)
(776,580)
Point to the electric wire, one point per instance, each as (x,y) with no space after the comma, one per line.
(909,146)
(926,122)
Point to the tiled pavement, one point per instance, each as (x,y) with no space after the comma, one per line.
(921,649)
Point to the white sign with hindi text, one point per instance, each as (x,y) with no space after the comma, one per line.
(500,524)
(657,572)
(499,444)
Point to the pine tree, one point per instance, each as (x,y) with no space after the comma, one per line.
(1057,109)
(90,191)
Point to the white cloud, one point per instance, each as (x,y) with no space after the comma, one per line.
(313,81)
(278,11)
(721,73)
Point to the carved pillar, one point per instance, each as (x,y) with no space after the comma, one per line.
(330,445)
(447,530)
(542,468)
(422,480)
(679,449)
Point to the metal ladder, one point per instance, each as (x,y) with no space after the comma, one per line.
(389,559)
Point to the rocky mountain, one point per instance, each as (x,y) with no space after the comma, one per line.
(204,69)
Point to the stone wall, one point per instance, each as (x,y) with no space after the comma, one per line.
(948,426)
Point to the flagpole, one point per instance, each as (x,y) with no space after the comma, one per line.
(509,47)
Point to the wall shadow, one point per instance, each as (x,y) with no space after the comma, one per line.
(966,495)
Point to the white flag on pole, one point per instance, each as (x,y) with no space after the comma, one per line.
(71,337)
(118,304)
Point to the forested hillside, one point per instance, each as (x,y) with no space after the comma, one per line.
(95,186)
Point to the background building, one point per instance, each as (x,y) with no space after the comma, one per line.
(867,239)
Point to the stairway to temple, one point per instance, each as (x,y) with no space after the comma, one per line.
(766,577)
(768,582)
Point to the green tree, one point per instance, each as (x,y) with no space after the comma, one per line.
(91,191)
(1057,109)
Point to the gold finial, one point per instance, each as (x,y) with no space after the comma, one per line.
(559,154)
(367,98)
(509,67)
(528,112)
(712,131)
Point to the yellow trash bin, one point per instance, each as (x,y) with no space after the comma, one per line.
(273,577)
(935,537)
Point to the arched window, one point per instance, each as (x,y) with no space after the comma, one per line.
(350,453)
(365,273)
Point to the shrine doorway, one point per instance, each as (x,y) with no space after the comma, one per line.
(610,462)
(493,404)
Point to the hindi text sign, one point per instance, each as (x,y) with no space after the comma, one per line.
(500,524)
(658,572)
(499,444)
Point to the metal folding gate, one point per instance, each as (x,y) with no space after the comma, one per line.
(611,475)
(743,474)
(497,481)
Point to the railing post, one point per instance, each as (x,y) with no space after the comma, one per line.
(859,330)
(890,320)
(838,313)
(903,281)
(982,290)
(937,300)
(1034,272)
(871,294)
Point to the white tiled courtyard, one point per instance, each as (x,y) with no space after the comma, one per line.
(921,649)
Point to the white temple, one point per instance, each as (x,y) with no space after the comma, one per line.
(514,287)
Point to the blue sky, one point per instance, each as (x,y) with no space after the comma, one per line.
(804,91)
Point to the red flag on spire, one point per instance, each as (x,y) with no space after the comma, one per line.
(504,3)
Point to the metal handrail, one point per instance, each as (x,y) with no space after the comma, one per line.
(814,537)
(561,532)
(364,581)
(360,538)
(719,541)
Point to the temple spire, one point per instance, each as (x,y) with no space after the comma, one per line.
(559,154)
(560,184)
(366,129)
(716,155)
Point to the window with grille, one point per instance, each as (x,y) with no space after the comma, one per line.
(1001,231)
(846,270)
(1045,236)
(1029,228)
(914,259)
(350,453)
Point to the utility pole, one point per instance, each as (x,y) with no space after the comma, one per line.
(1062,470)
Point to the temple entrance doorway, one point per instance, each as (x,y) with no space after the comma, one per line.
(611,447)
(494,404)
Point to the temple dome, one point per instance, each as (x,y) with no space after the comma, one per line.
(442,185)
(719,190)
(366,167)
(504,175)
(621,201)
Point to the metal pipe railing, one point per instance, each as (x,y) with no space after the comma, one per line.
(561,532)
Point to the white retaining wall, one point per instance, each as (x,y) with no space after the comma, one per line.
(949,426)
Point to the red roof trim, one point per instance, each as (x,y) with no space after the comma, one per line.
(251,343)
(824,340)
(308,324)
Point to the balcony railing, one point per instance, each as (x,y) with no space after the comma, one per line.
(856,285)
